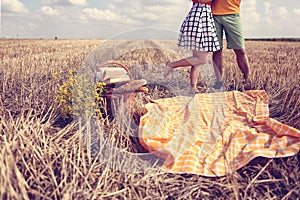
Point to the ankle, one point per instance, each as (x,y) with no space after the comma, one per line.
(246,76)
(195,90)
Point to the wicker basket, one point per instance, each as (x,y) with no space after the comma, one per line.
(123,92)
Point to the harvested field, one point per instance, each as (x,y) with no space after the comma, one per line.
(42,155)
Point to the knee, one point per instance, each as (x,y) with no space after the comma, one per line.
(240,52)
(201,60)
(202,57)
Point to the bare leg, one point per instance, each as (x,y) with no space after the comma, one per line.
(194,75)
(242,61)
(198,58)
(218,65)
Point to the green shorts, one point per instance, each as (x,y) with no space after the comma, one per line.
(232,26)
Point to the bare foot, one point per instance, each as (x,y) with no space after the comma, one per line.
(195,90)
(168,69)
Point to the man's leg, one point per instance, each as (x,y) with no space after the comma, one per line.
(235,40)
(218,64)
(242,61)
(217,55)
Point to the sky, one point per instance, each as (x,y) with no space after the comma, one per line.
(149,19)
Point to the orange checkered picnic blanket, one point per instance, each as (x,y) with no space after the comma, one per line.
(213,134)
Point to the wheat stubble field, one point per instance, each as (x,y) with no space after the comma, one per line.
(43,157)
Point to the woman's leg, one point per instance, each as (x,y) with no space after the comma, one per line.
(198,58)
(194,73)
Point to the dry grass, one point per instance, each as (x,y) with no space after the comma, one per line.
(41,160)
